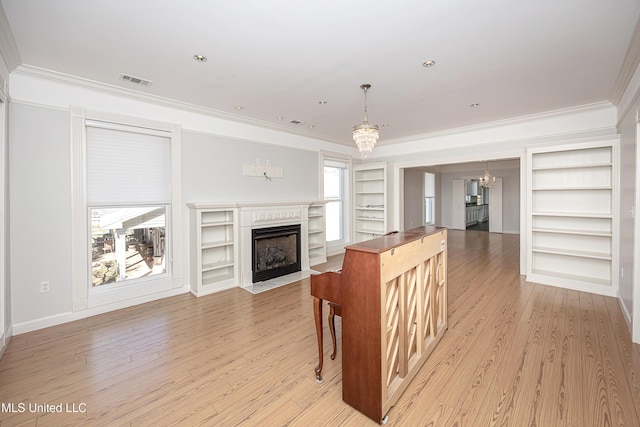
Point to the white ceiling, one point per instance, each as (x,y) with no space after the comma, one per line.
(281,57)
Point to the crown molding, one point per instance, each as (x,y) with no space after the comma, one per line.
(628,68)
(70,80)
(8,48)
(505,122)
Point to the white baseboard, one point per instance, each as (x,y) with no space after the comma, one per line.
(574,285)
(57,319)
(4,339)
(510,231)
(627,316)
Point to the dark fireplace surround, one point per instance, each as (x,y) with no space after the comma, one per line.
(275,251)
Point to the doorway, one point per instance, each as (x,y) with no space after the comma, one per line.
(449,210)
(476,208)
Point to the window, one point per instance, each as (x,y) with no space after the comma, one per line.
(429,199)
(128,197)
(127,243)
(125,207)
(335,189)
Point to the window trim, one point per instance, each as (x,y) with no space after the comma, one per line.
(337,246)
(83,296)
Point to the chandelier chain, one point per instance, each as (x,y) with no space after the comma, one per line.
(365,135)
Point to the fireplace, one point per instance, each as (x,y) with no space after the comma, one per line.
(265,216)
(275,251)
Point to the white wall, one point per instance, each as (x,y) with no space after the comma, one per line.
(213,170)
(40,211)
(40,182)
(5,294)
(628,151)
(39,142)
(629,282)
(413,198)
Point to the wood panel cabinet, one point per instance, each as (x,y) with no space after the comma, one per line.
(477,213)
(571,238)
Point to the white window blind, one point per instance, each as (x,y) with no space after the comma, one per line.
(333,162)
(127,165)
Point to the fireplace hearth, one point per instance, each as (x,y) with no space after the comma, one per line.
(275,251)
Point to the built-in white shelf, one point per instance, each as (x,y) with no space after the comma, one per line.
(575,253)
(578,232)
(317,241)
(214,248)
(585,188)
(370,202)
(572,215)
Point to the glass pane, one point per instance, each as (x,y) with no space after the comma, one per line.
(334,220)
(332,183)
(127,243)
(429,210)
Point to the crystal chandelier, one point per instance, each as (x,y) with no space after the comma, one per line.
(487,180)
(365,135)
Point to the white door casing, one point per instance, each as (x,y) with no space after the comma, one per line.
(459,220)
(495,207)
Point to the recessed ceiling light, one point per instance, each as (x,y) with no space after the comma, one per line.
(280,118)
(238,107)
(475,104)
(322,102)
(200,58)
(385,125)
(429,63)
(311,126)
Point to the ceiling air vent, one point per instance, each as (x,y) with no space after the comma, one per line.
(295,122)
(135,80)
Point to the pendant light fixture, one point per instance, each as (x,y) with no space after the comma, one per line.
(488,180)
(365,135)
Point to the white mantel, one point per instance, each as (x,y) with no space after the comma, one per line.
(271,214)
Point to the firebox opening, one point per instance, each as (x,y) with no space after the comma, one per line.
(275,251)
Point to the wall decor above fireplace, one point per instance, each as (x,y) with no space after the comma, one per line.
(266,170)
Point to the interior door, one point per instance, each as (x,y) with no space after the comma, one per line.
(495,207)
(459,220)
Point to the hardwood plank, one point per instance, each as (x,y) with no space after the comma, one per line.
(515,353)
(628,351)
(572,363)
(549,401)
(595,394)
(509,398)
(621,401)
(480,383)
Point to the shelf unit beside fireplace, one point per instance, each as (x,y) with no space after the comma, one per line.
(317,233)
(214,241)
(370,201)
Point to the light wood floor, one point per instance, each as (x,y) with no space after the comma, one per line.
(515,354)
